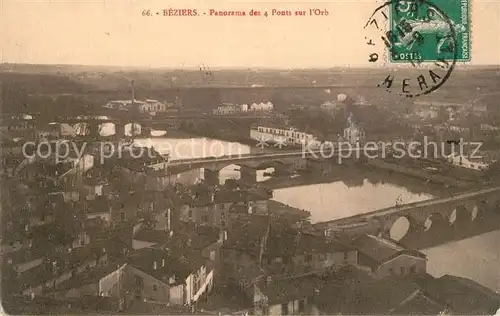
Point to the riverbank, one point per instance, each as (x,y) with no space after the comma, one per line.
(355,175)
(419,173)
(286,211)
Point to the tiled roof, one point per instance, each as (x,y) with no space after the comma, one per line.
(285,290)
(66,261)
(99,205)
(289,242)
(200,236)
(462,295)
(229,196)
(152,235)
(281,242)
(418,303)
(178,263)
(319,244)
(354,292)
(246,236)
(27,254)
(49,169)
(376,250)
(80,254)
(90,277)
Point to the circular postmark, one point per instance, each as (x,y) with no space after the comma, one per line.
(416,42)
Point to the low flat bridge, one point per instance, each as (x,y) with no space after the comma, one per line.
(288,161)
(255,160)
(429,223)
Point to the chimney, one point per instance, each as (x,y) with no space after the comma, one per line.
(269,279)
(222,236)
(297,238)
(132,85)
(168,219)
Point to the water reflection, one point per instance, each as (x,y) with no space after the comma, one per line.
(108,129)
(187,148)
(346,198)
(476,258)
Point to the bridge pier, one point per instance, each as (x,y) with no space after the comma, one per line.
(384,233)
(321,166)
(119,130)
(248,174)
(211,176)
(93,129)
(145,131)
(282,169)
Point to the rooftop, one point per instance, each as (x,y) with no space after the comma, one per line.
(376,250)
(199,237)
(48,170)
(462,295)
(357,293)
(178,263)
(228,196)
(90,277)
(290,242)
(152,235)
(285,290)
(247,235)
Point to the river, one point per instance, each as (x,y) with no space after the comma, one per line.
(477,258)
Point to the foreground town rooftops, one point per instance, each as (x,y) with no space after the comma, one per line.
(462,295)
(289,289)
(198,237)
(357,293)
(164,264)
(247,236)
(376,250)
(291,242)
(90,277)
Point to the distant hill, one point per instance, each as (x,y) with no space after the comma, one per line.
(66,87)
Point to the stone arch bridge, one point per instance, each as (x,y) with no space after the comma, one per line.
(449,218)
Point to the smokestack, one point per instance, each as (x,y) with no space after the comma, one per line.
(168,218)
(132,85)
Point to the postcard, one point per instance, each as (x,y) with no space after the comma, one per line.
(238,157)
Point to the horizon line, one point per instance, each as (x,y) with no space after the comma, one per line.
(219,68)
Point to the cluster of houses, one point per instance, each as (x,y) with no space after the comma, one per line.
(148,106)
(137,235)
(352,134)
(230,108)
(276,135)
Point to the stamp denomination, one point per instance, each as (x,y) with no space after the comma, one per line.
(419,36)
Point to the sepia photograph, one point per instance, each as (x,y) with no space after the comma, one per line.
(250,157)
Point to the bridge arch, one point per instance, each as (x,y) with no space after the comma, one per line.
(479,210)
(495,207)
(402,227)
(459,215)
(132,129)
(434,221)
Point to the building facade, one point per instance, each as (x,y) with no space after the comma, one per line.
(285,137)
(384,257)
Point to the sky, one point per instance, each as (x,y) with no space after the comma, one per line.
(115,33)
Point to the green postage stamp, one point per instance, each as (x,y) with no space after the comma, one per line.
(428,31)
